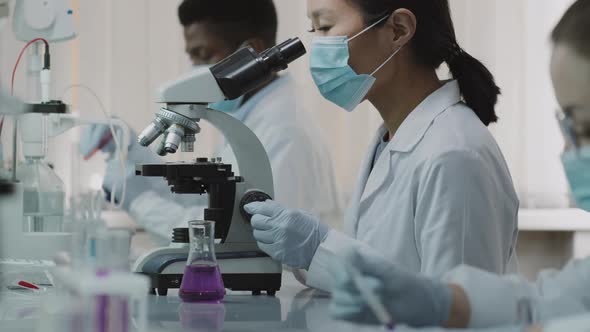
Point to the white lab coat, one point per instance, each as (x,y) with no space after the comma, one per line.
(300,161)
(440,195)
(501,300)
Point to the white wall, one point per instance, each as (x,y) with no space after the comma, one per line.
(126,48)
(512,38)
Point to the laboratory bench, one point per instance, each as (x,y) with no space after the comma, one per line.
(294,308)
(549,238)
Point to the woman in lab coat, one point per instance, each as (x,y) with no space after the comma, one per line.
(434,190)
(475,298)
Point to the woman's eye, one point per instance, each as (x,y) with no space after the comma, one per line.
(320,29)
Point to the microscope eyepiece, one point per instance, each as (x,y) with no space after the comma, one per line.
(280,56)
(246,70)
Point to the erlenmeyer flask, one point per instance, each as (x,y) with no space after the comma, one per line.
(202,278)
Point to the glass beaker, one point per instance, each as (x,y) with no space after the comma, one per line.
(112,310)
(43,197)
(202,280)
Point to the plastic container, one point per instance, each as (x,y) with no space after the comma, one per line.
(43,197)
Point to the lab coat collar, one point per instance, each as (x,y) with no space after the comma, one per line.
(352,214)
(413,129)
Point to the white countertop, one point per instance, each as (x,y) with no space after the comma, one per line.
(554,220)
(294,308)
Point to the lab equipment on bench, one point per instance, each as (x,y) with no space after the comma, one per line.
(34,213)
(35,21)
(202,278)
(113,299)
(43,196)
(8,106)
(243,265)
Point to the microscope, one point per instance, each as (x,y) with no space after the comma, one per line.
(243,265)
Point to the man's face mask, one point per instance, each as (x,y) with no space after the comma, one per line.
(576,162)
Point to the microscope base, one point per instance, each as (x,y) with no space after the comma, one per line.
(241,270)
(256,283)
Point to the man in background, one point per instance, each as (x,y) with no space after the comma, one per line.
(300,161)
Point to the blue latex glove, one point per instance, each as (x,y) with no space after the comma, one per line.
(288,236)
(98,137)
(136,185)
(137,154)
(410,299)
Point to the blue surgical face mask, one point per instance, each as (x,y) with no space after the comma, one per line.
(577,169)
(332,74)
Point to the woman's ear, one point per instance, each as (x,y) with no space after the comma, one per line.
(403,24)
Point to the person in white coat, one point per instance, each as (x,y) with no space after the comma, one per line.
(471,297)
(434,190)
(300,160)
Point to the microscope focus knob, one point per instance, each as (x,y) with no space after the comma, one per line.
(252,196)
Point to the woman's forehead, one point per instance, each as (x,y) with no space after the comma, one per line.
(322,8)
(570,72)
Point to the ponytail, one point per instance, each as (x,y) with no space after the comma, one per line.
(476,83)
(435,43)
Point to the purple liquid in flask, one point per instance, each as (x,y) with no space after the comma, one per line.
(202,280)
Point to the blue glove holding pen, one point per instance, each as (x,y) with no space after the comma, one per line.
(94,138)
(409,299)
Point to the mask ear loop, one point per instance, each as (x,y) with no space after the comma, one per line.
(369,27)
(387,61)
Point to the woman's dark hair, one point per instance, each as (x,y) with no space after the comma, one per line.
(435,42)
(574,28)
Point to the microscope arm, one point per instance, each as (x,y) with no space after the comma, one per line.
(198,84)
(250,154)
